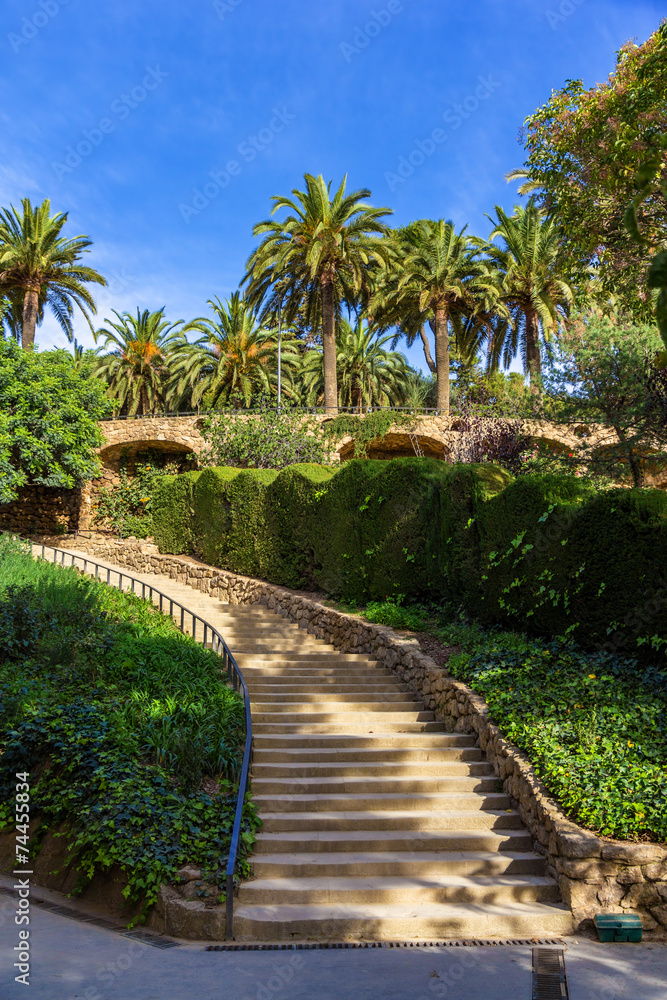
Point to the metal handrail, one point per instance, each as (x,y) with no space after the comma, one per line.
(338,410)
(234,675)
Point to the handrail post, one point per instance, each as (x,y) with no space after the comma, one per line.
(229,908)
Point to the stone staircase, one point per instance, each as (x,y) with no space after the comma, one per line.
(377,824)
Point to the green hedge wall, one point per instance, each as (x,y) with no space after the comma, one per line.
(547,554)
(172,511)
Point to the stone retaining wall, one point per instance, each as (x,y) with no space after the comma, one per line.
(595,873)
(45,509)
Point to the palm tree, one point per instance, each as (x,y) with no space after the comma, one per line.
(136,368)
(318,257)
(43,268)
(367,374)
(11,315)
(535,292)
(234,360)
(437,277)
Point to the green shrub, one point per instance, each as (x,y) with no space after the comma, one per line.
(551,553)
(230,519)
(373,535)
(294,504)
(392,612)
(173,512)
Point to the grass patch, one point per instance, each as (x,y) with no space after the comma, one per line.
(594,724)
(132,739)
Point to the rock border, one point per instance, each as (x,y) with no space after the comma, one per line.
(595,874)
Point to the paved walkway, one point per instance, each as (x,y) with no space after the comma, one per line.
(74,961)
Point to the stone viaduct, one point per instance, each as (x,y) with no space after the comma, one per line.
(429,435)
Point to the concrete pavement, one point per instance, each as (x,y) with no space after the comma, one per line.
(76,961)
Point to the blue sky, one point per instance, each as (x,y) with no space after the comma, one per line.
(164,128)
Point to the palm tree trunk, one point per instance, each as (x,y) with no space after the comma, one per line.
(427,350)
(30,312)
(442,359)
(329,346)
(533,358)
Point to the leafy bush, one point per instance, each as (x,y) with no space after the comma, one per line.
(272,439)
(118,717)
(173,512)
(392,612)
(593,724)
(49,410)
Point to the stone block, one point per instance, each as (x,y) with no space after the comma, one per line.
(629,876)
(586,869)
(577,844)
(660,914)
(633,854)
(642,897)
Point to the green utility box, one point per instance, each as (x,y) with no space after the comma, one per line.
(619,927)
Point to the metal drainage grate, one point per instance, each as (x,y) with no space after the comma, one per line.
(549,977)
(333,945)
(154,940)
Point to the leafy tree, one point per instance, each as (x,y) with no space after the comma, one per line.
(48,420)
(136,368)
(531,285)
(272,439)
(40,268)
(438,274)
(491,393)
(368,374)
(583,150)
(649,174)
(235,361)
(602,370)
(315,260)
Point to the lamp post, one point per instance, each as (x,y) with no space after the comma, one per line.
(280,337)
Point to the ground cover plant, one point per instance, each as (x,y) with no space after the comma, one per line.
(132,740)
(594,724)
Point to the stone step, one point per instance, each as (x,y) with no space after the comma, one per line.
(430,921)
(318,708)
(385,771)
(343,718)
(324,685)
(304,660)
(403,742)
(379,803)
(365,697)
(463,780)
(409,816)
(259,647)
(345,757)
(343,891)
(422,864)
(349,841)
(347,726)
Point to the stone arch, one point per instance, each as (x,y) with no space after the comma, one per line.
(398,444)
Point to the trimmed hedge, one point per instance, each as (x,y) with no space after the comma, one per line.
(548,554)
(172,513)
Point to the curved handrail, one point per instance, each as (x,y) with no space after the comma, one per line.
(234,675)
